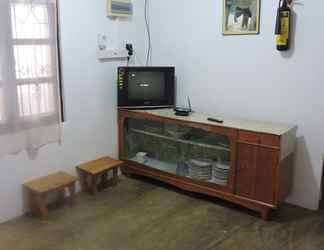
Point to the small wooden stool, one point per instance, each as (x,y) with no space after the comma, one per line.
(95,169)
(41,187)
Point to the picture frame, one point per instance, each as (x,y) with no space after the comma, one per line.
(241,17)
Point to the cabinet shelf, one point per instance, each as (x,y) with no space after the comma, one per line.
(160,165)
(217,147)
(170,168)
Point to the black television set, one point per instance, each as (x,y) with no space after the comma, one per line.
(146,87)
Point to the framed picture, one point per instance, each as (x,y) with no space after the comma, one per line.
(241,17)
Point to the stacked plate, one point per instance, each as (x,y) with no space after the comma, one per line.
(220,172)
(200,169)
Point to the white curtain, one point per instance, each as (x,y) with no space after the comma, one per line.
(29,90)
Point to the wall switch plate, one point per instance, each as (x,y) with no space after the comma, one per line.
(112,54)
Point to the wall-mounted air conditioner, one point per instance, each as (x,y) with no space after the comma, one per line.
(120,8)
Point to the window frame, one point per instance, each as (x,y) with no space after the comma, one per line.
(2,110)
(46,117)
(59,62)
(34,80)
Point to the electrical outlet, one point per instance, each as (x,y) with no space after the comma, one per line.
(129,48)
(112,54)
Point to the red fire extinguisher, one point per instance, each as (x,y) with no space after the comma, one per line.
(283,25)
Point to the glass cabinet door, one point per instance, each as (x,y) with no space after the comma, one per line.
(178,149)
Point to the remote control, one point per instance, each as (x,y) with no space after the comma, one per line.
(214,120)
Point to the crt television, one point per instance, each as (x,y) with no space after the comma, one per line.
(146,87)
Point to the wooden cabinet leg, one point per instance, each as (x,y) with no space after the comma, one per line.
(125,171)
(265,213)
(128,175)
(33,204)
(115,176)
(94,184)
(83,180)
(40,200)
(61,196)
(104,181)
(72,194)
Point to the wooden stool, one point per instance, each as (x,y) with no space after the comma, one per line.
(41,187)
(95,169)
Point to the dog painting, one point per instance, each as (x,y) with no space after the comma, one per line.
(241,17)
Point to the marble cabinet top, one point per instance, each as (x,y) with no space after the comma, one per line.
(241,124)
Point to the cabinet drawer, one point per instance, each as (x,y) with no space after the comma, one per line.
(264,139)
(249,137)
(270,140)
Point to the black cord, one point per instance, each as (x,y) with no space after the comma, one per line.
(149,49)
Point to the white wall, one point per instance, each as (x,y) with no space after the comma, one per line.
(245,76)
(90,101)
(239,76)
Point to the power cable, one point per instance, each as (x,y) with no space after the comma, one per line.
(148,31)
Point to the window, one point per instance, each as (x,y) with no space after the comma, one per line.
(2,102)
(33,55)
(29,79)
(2,107)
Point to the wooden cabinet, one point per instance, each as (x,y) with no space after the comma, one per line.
(246,167)
(256,172)
(256,157)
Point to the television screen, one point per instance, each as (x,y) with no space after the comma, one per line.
(141,87)
(146,86)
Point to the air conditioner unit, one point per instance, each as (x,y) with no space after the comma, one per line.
(123,8)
